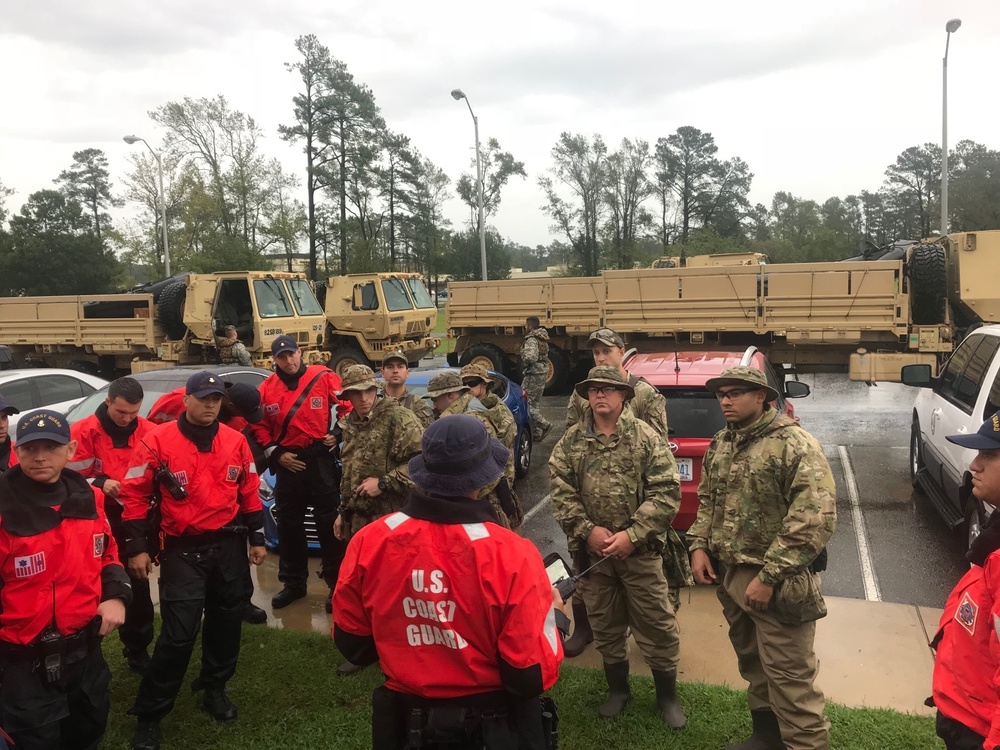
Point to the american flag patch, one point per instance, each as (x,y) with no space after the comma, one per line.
(98,545)
(29,565)
(316,402)
(232,473)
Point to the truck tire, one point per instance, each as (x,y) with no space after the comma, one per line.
(170,310)
(558,375)
(928,284)
(345,357)
(488,355)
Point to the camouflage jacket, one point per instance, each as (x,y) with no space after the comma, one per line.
(767,497)
(627,481)
(503,420)
(648,405)
(419,406)
(535,352)
(377,446)
(233,352)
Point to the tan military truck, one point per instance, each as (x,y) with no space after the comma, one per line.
(371,313)
(173,322)
(866,318)
(712,259)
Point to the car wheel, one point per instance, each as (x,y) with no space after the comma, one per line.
(916,453)
(973,521)
(522,457)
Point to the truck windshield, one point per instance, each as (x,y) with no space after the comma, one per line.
(272,301)
(419,292)
(303,297)
(395,295)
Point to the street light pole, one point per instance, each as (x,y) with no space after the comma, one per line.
(459,94)
(131,139)
(950,27)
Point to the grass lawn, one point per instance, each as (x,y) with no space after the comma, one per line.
(447,344)
(289,697)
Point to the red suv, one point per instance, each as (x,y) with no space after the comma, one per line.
(693,412)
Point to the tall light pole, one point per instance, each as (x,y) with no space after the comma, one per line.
(950,27)
(131,140)
(459,94)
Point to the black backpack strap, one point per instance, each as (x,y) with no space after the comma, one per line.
(295,407)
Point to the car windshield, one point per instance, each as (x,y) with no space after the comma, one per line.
(395,295)
(303,297)
(692,413)
(272,301)
(420,293)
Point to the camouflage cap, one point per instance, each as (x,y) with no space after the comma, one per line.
(605,375)
(473,371)
(448,381)
(745,375)
(606,336)
(395,354)
(358,378)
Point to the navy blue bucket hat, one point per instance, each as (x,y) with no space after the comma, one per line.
(458,457)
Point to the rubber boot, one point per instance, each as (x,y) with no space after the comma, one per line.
(619,693)
(667,700)
(582,634)
(766,734)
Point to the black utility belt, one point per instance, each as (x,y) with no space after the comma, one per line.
(202,541)
(64,645)
(311,451)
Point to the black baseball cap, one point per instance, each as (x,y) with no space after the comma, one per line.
(987,438)
(6,407)
(203,384)
(283,344)
(246,400)
(44,424)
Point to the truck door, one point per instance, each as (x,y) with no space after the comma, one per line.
(366,303)
(233,307)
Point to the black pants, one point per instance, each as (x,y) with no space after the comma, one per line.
(209,580)
(70,715)
(137,631)
(956,735)
(318,485)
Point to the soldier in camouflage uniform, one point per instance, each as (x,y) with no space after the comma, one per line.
(231,349)
(535,370)
(768,508)
(395,371)
(615,491)
(608,348)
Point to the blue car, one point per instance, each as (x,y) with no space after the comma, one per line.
(507,390)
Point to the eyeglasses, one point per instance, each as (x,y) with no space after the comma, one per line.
(603,390)
(733,393)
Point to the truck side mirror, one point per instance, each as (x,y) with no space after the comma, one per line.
(918,376)
(797,389)
(357,302)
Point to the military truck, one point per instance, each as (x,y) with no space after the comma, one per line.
(371,313)
(866,318)
(712,259)
(176,321)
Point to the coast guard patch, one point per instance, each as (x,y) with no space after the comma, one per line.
(232,473)
(316,402)
(98,545)
(967,613)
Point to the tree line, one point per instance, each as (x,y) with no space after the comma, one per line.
(374,202)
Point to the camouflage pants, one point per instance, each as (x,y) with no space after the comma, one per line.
(779,662)
(534,386)
(632,594)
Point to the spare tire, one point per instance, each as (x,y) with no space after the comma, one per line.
(928,284)
(170,310)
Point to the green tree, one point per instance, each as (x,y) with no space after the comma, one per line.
(914,181)
(974,188)
(88,181)
(497,167)
(463,260)
(688,166)
(627,189)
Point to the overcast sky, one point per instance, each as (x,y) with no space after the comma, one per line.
(817,97)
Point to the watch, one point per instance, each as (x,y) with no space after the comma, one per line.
(383,485)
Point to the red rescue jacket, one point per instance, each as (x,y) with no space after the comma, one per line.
(97,456)
(220,483)
(68,558)
(446,602)
(967,666)
(312,421)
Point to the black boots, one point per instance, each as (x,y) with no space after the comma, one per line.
(218,705)
(666,698)
(766,735)
(254,614)
(287,595)
(582,634)
(619,693)
(146,736)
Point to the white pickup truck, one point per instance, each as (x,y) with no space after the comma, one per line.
(958,401)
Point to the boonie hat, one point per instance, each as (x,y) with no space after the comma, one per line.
(473,371)
(203,384)
(6,407)
(986,438)
(246,400)
(605,375)
(448,381)
(457,456)
(43,424)
(358,378)
(282,344)
(395,354)
(743,375)
(606,336)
